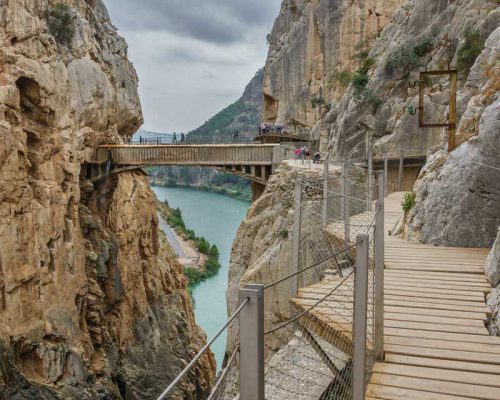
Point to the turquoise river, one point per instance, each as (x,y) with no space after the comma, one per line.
(217,218)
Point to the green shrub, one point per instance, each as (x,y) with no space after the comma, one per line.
(424,46)
(344,78)
(408,201)
(367,64)
(408,57)
(203,245)
(61,24)
(284,233)
(469,50)
(214,251)
(359,82)
(317,101)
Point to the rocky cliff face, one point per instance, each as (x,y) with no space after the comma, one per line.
(91,303)
(311,45)
(340,70)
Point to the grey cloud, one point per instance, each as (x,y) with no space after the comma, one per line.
(193,57)
(216,21)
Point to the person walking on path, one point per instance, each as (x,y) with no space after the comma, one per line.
(235,135)
(183,138)
(174,138)
(140,139)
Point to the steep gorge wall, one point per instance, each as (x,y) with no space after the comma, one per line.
(311,42)
(92,305)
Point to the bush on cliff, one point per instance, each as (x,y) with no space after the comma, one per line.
(469,50)
(408,57)
(61,24)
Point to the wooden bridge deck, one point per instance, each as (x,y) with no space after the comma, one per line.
(435,340)
(189,154)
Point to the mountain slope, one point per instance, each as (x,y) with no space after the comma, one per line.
(243,115)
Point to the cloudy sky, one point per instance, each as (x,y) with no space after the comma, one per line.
(193,57)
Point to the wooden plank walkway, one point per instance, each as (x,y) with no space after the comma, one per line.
(436,344)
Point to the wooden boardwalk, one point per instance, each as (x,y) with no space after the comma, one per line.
(435,340)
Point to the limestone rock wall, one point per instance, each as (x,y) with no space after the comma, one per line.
(311,42)
(458,193)
(492,268)
(91,304)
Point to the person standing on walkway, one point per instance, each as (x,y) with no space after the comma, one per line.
(183,138)
(174,138)
(235,135)
(140,139)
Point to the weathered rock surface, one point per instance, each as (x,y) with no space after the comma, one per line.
(311,42)
(492,269)
(458,193)
(91,304)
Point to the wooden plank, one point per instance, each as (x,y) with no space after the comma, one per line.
(395,393)
(438,374)
(468,270)
(435,386)
(416,299)
(444,344)
(459,337)
(433,319)
(431,295)
(438,280)
(466,288)
(429,311)
(435,327)
(443,363)
(457,355)
(446,276)
(389,301)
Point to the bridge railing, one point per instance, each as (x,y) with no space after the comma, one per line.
(210,155)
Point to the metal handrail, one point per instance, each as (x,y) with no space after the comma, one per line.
(174,383)
(224,373)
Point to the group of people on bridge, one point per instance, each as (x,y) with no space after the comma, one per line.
(266,127)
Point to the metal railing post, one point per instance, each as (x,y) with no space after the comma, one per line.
(294,282)
(386,171)
(346,212)
(379,271)
(370,181)
(360,316)
(252,343)
(401,166)
(325,194)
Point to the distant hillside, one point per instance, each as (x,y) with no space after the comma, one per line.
(243,115)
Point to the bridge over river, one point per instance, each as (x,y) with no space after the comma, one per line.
(255,162)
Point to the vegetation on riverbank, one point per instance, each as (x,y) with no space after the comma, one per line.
(173,216)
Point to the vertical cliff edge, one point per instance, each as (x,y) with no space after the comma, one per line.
(92,303)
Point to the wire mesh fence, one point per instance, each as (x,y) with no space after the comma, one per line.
(315,359)
(323,347)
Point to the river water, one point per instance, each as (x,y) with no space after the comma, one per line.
(217,218)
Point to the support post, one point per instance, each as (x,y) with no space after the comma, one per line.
(360,315)
(379,271)
(345,205)
(325,194)
(370,179)
(252,343)
(296,239)
(452,117)
(386,171)
(401,167)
